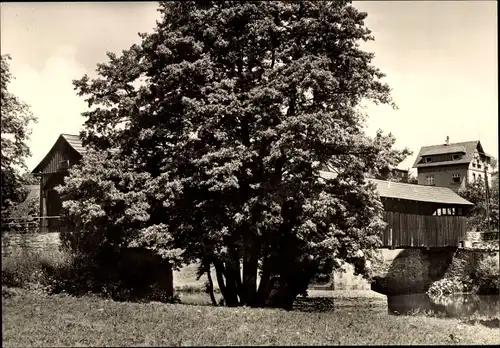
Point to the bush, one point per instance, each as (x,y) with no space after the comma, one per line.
(450,286)
(488,267)
(129,275)
(487,275)
(124,275)
(30,269)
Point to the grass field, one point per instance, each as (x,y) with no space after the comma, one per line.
(36,320)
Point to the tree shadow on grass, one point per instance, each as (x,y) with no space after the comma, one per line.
(490,323)
(313,304)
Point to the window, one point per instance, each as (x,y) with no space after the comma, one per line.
(474,164)
(479,164)
(64,164)
(429,180)
(474,176)
(456,157)
(456,178)
(428,159)
(479,177)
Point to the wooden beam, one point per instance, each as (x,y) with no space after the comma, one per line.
(49,173)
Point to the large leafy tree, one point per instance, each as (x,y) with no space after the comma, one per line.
(485,214)
(209,137)
(15,121)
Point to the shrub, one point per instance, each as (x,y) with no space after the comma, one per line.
(487,275)
(30,269)
(450,286)
(124,275)
(488,267)
(129,275)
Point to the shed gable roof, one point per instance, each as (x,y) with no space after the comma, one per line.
(412,192)
(73,141)
(467,148)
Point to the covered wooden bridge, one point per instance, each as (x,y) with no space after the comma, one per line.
(422,216)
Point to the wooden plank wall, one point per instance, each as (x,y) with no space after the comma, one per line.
(53,164)
(412,230)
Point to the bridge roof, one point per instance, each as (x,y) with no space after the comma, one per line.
(412,192)
(420,193)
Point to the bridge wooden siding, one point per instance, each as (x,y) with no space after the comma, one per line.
(413,230)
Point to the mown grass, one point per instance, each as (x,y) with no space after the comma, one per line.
(30,320)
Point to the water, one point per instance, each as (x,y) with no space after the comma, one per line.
(459,306)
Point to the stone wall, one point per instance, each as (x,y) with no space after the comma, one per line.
(474,236)
(482,240)
(13,242)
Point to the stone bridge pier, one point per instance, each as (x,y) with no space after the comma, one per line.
(412,271)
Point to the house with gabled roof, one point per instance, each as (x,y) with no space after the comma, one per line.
(453,165)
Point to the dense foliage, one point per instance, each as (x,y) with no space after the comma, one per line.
(485,214)
(15,121)
(140,274)
(207,139)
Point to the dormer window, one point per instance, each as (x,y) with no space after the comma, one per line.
(456,157)
(428,159)
(456,178)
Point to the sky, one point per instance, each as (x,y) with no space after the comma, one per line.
(439,57)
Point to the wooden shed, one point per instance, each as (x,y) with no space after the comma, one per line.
(420,216)
(66,152)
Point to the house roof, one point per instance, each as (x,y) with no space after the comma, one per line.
(467,148)
(412,192)
(72,140)
(441,150)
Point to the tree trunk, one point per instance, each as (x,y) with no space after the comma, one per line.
(236,273)
(220,278)
(264,289)
(211,287)
(230,292)
(250,265)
